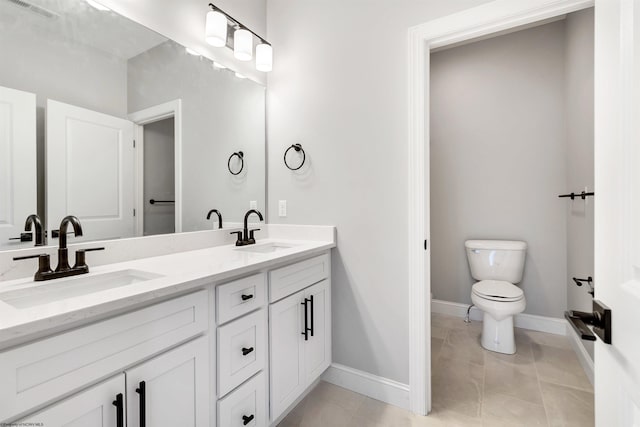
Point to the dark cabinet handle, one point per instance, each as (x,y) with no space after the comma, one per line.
(119,404)
(307,329)
(247,297)
(312,328)
(246,420)
(142,391)
(246,351)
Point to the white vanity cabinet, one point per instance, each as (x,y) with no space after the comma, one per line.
(171,389)
(236,353)
(137,344)
(93,407)
(166,391)
(299,330)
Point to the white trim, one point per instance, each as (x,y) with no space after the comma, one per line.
(150,115)
(379,388)
(499,15)
(583,356)
(550,325)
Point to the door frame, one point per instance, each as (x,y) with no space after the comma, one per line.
(494,17)
(145,117)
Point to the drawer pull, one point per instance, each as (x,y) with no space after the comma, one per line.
(142,391)
(119,404)
(247,297)
(246,420)
(246,351)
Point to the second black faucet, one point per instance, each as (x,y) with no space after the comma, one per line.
(246,236)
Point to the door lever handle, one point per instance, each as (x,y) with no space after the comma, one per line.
(600,319)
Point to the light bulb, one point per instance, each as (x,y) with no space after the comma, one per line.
(243,45)
(98,6)
(216,29)
(240,76)
(218,66)
(192,51)
(264,57)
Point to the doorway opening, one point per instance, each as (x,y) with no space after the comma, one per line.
(158,194)
(159,169)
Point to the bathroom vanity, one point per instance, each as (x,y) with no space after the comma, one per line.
(227,336)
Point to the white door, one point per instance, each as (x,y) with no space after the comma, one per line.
(287,378)
(173,388)
(90,171)
(617,209)
(18,185)
(317,350)
(93,407)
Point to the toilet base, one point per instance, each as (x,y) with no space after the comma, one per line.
(497,335)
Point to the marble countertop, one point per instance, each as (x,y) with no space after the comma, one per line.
(179,273)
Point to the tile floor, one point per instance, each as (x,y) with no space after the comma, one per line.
(543,384)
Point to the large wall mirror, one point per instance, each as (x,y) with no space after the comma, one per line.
(78,86)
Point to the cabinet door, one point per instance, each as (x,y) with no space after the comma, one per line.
(317,350)
(171,389)
(93,407)
(287,371)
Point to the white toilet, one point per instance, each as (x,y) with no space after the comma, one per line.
(498,265)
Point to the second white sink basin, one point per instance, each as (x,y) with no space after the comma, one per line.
(61,289)
(265,248)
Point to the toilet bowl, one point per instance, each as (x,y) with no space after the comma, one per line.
(499,301)
(497,265)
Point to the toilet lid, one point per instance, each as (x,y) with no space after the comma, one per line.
(497,290)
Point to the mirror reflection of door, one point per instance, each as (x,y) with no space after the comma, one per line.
(159,177)
(17,165)
(90,171)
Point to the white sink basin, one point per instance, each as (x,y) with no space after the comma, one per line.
(61,289)
(265,248)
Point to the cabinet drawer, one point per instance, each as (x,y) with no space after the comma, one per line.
(292,278)
(242,349)
(40,372)
(240,297)
(246,406)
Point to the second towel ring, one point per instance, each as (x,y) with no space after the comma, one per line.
(298,148)
(240,155)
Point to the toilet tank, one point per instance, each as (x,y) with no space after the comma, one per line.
(496,259)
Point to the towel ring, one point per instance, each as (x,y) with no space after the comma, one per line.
(298,148)
(240,155)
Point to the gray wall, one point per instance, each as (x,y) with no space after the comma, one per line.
(221,115)
(159,177)
(498,160)
(339,86)
(579,107)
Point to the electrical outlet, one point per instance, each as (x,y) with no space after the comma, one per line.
(253,204)
(282,208)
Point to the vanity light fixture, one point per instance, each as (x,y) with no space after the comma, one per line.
(192,51)
(264,57)
(217,27)
(218,66)
(243,44)
(98,6)
(240,76)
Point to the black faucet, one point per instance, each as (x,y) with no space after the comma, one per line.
(246,237)
(63,269)
(34,220)
(217,212)
(63,254)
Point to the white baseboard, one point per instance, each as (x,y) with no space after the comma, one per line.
(532,322)
(379,388)
(581,352)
